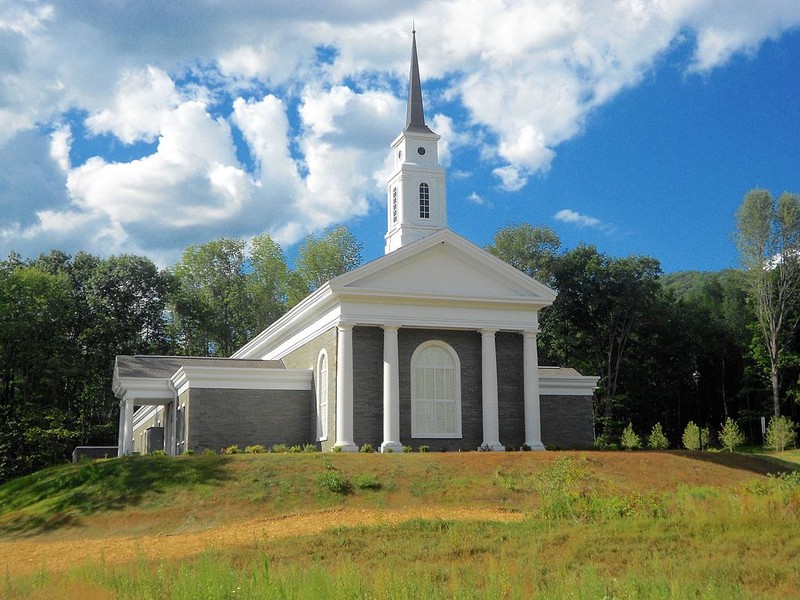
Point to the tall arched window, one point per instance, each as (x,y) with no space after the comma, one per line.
(424,201)
(322,396)
(435,391)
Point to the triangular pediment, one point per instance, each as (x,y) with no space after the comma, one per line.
(444,265)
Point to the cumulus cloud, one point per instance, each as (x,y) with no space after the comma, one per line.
(142,98)
(322,95)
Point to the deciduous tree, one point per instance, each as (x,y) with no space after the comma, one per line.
(768,239)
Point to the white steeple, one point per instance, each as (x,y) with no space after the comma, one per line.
(416,194)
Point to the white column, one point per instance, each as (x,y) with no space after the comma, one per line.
(530,375)
(344,389)
(127,433)
(491,421)
(391,391)
(121,432)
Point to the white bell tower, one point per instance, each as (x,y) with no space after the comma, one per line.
(416,194)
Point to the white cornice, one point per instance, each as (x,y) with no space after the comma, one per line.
(575,385)
(142,390)
(234,378)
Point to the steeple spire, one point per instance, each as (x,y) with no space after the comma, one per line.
(416,190)
(415,115)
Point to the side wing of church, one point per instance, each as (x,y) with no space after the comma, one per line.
(432,344)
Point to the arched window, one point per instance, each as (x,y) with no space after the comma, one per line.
(424,201)
(394,205)
(435,391)
(322,396)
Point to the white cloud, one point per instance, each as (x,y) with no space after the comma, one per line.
(141,100)
(511,178)
(477,199)
(60,143)
(528,73)
(567,215)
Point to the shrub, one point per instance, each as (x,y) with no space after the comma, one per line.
(231,450)
(310,448)
(188,452)
(407,449)
(630,440)
(256,449)
(158,453)
(333,482)
(780,433)
(731,437)
(280,448)
(424,448)
(525,448)
(367,449)
(296,449)
(336,449)
(691,437)
(367,482)
(657,440)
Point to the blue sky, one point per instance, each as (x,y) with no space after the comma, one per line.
(636,126)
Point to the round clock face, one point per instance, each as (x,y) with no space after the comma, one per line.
(421,151)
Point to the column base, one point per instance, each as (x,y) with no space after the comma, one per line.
(346,446)
(395,447)
(492,447)
(536,446)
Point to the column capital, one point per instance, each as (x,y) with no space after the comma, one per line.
(488,331)
(345,326)
(390,327)
(530,332)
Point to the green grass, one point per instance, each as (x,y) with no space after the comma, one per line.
(581,536)
(58,496)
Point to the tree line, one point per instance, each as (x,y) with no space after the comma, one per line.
(669,349)
(63,319)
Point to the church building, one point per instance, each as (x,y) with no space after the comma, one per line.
(432,344)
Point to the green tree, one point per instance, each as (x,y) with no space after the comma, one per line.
(657,440)
(210,305)
(731,436)
(321,259)
(532,250)
(601,305)
(781,433)
(768,239)
(630,440)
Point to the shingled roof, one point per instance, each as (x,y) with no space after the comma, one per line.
(163,367)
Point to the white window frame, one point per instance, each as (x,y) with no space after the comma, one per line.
(424,201)
(322,388)
(415,401)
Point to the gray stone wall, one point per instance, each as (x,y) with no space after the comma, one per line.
(510,389)
(368,386)
(306,357)
(467,345)
(220,418)
(567,422)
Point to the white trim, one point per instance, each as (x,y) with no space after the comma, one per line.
(552,383)
(323,422)
(456,390)
(236,378)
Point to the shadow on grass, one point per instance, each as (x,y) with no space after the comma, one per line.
(55,497)
(758,464)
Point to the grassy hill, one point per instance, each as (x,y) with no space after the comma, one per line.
(471,525)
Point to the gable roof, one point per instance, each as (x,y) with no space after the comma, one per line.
(440,281)
(445,265)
